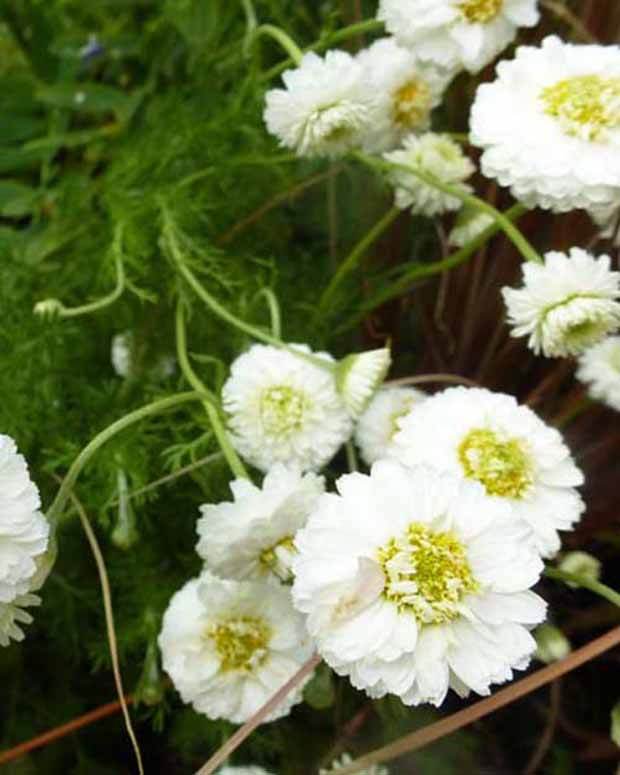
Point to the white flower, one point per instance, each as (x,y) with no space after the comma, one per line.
(13,616)
(470,224)
(360,375)
(599,369)
(228,646)
(326,107)
(283,408)
(566,304)
(252,537)
(457,33)
(550,125)
(246,770)
(338,764)
(377,426)
(436,155)
(23,529)
(415,581)
(487,437)
(407,91)
(121,355)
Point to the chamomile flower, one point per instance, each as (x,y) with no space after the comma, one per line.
(360,375)
(228,646)
(414,582)
(469,224)
(377,426)
(549,125)
(284,408)
(488,438)
(252,537)
(13,617)
(407,91)
(433,154)
(345,759)
(566,304)
(24,530)
(599,369)
(326,107)
(457,33)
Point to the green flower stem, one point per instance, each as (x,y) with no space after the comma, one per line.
(602,590)
(274,310)
(420,271)
(251,20)
(54,307)
(157,407)
(209,402)
(512,232)
(352,31)
(283,38)
(353,259)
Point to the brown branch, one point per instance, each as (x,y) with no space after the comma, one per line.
(220,756)
(456,721)
(424,379)
(62,731)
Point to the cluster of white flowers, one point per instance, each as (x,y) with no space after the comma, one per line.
(24,534)
(599,369)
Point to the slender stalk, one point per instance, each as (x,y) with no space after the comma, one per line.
(429,379)
(351,456)
(60,501)
(447,726)
(281,37)
(512,232)
(233,460)
(353,259)
(54,307)
(274,311)
(325,42)
(231,745)
(602,590)
(109,621)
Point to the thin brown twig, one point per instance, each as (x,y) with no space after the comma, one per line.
(574,22)
(233,742)
(542,749)
(456,721)
(423,379)
(53,735)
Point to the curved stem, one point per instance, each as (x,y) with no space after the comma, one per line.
(283,38)
(251,23)
(233,460)
(352,31)
(429,379)
(60,501)
(602,590)
(54,307)
(274,311)
(512,232)
(354,257)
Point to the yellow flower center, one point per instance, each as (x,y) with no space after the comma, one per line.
(282,410)
(412,104)
(427,573)
(586,106)
(277,557)
(241,644)
(502,465)
(396,416)
(480,11)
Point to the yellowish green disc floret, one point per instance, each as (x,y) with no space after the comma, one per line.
(427,573)
(480,11)
(587,106)
(282,409)
(240,643)
(501,464)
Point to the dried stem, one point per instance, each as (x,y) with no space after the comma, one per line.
(424,379)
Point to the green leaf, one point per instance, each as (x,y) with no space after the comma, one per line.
(90,98)
(17,199)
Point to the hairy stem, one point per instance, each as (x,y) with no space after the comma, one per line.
(209,403)
(60,501)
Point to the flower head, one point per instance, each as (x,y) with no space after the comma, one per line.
(24,530)
(566,304)
(549,125)
(436,155)
(13,617)
(407,91)
(228,646)
(326,107)
(379,423)
(599,369)
(414,582)
(457,33)
(284,408)
(360,375)
(252,537)
(488,438)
